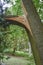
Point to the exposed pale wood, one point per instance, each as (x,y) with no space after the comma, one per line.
(22,20)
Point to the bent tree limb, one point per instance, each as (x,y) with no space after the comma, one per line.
(36,38)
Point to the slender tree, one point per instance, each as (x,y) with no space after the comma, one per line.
(36,27)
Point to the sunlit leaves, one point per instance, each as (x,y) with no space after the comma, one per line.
(39,7)
(13,7)
(12,36)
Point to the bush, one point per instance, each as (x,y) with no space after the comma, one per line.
(21,54)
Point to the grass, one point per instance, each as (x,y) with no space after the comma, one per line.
(21,54)
(20,58)
(18,61)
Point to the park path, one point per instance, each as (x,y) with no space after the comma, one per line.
(16,61)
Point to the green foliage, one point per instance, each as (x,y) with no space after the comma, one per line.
(15,9)
(39,6)
(12,37)
(21,54)
(31,60)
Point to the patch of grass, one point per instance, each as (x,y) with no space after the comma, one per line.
(31,60)
(21,54)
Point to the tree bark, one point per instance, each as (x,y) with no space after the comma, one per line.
(36,26)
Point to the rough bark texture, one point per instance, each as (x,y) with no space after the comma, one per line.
(36,38)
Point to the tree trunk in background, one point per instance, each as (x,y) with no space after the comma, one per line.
(36,27)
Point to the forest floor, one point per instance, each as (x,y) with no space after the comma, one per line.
(17,61)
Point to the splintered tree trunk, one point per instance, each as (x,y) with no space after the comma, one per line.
(36,38)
